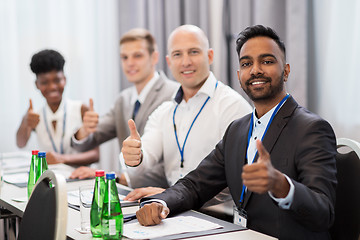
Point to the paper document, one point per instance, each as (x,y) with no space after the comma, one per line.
(169,226)
(16,163)
(21,177)
(73,199)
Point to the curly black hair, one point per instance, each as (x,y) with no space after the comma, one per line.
(46,61)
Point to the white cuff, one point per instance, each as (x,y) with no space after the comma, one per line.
(123,169)
(153,200)
(78,141)
(285,203)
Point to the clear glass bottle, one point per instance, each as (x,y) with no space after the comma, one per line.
(32,172)
(97,203)
(112,219)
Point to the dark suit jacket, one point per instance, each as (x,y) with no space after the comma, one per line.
(301,145)
(114,124)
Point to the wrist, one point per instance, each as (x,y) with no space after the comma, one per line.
(64,159)
(81,133)
(281,187)
(141,159)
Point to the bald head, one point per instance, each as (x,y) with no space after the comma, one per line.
(189,58)
(188,29)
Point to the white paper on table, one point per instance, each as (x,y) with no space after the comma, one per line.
(169,226)
(15,161)
(62,169)
(73,198)
(16,177)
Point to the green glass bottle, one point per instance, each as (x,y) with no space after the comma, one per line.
(32,173)
(112,219)
(97,203)
(41,164)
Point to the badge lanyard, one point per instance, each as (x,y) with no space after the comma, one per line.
(250,133)
(63,132)
(176,136)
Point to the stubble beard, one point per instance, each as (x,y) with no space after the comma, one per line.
(269,93)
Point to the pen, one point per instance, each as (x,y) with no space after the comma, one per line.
(129,217)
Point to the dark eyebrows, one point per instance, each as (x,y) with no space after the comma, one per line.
(267,55)
(244,57)
(261,56)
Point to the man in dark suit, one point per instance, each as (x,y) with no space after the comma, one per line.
(139,56)
(283,184)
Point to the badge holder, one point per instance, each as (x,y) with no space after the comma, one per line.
(240,216)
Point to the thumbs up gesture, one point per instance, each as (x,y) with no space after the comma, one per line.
(90,119)
(131,149)
(31,118)
(261,176)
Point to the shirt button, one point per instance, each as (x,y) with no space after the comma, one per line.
(259,122)
(255,138)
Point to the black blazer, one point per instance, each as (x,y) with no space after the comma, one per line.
(301,145)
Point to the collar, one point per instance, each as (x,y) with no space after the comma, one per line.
(208,89)
(55,116)
(266,117)
(145,91)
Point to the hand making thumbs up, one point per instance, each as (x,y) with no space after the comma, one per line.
(31,118)
(90,119)
(131,149)
(261,176)
(28,124)
(90,122)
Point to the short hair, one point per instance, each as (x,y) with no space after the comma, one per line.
(139,34)
(258,31)
(46,61)
(190,29)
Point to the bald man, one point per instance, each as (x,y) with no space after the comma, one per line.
(183,131)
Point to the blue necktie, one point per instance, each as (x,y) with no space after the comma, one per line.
(136,109)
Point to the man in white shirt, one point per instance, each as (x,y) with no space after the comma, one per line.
(139,57)
(183,131)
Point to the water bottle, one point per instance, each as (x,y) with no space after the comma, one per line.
(112,219)
(97,203)
(41,164)
(32,173)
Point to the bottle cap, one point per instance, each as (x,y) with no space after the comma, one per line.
(110,176)
(42,154)
(99,173)
(34,152)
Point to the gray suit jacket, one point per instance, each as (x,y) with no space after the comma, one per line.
(301,145)
(114,124)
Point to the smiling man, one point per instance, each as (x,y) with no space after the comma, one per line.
(182,132)
(139,56)
(278,162)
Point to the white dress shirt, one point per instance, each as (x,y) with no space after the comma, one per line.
(158,140)
(259,127)
(60,135)
(145,91)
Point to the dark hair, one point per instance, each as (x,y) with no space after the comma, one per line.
(258,31)
(47,61)
(140,34)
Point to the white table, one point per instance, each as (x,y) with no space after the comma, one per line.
(10,194)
